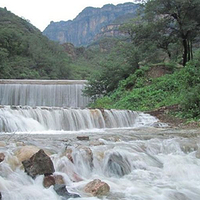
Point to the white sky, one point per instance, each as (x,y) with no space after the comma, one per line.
(41,12)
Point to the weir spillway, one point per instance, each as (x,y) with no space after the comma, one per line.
(51,93)
(28,119)
(43,105)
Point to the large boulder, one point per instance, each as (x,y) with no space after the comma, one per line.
(61,190)
(97,188)
(39,164)
(26,152)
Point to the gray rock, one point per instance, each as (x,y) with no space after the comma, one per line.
(61,190)
(39,164)
(117,165)
(83,138)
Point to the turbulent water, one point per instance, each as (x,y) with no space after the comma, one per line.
(136,155)
(138,164)
(20,119)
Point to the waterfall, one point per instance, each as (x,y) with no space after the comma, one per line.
(20,119)
(43,93)
(42,105)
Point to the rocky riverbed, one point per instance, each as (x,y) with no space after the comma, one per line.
(157,163)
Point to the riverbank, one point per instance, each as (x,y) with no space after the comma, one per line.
(165,115)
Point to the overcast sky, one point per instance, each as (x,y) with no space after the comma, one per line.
(41,12)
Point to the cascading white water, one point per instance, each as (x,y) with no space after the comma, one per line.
(20,119)
(37,107)
(30,106)
(137,164)
(163,167)
(43,93)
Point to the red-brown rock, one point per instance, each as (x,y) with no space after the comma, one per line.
(48,181)
(59,179)
(97,188)
(2,157)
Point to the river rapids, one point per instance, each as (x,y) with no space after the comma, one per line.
(138,164)
(136,155)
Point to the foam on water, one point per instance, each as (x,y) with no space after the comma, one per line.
(156,169)
(28,119)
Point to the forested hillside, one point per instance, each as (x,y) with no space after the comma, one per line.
(156,65)
(26,53)
(160,66)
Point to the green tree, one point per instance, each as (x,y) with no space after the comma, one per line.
(117,65)
(26,53)
(167,22)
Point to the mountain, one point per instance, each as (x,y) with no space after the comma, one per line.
(26,53)
(91,24)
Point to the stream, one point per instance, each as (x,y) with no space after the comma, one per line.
(144,163)
(138,157)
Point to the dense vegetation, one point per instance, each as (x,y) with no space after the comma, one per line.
(26,53)
(156,65)
(165,35)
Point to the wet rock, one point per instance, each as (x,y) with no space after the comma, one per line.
(160,125)
(69,154)
(87,154)
(76,178)
(48,181)
(59,179)
(198,153)
(2,144)
(97,188)
(67,167)
(26,152)
(12,161)
(20,144)
(2,157)
(117,165)
(39,164)
(96,143)
(61,190)
(83,138)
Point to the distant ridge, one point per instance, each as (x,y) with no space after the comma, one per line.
(91,24)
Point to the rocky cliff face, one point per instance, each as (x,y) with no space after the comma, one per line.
(90,24)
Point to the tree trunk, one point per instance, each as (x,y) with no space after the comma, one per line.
(169,53)
(185,51)
(191,50)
